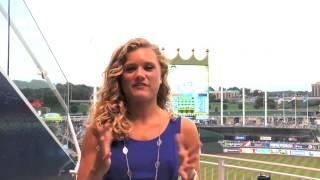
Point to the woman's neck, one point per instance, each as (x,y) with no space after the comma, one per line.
(143,112)
(147,122)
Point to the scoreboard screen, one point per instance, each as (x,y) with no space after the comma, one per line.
(189,89)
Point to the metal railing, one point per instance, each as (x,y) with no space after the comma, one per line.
(222,166)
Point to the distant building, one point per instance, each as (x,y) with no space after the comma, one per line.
(226,94)
(316,89)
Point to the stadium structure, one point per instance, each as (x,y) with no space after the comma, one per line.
(44,142)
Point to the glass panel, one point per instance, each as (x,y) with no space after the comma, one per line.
(30,61)
(3,36)
(21,59)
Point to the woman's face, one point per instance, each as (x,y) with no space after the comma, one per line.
(141,77)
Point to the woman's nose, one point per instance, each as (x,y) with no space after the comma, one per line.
(140,73)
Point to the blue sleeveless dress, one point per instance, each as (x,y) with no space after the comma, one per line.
(142,156)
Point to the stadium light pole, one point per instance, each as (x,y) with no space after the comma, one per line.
(283,111)
(265,108)
(243,106)
(295,110)
(221,105)
(308,109)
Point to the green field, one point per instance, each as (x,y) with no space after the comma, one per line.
(211,171)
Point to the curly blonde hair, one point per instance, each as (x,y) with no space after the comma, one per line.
(111,104)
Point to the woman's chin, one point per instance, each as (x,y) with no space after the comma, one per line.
(141,97)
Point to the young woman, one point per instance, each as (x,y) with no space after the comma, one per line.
(132,134)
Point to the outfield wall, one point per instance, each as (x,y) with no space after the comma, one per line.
(273,151)
(264,147)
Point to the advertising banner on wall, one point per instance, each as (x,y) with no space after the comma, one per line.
(314,153)
(299,153)
(247,150)
(263,151)
(231,150)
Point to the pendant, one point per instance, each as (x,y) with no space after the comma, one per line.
(157,164)
(125,150)
(159,142)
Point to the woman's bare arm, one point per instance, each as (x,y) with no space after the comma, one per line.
(95,156)
(189,148)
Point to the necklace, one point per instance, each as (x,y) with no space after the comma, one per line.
(125,151)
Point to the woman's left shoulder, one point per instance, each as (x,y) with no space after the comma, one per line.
(188,126)
(189,131)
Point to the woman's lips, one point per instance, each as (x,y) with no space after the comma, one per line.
(139,85)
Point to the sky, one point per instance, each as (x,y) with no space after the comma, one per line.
(269,45)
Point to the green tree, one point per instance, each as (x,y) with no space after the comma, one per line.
(212,98)
(81,92)
(246,91)
(314,102)
(272,104)
(234,89)
(257,93)
(74,109)
(225,106)
(258,103)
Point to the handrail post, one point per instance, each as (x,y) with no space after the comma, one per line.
(221,169)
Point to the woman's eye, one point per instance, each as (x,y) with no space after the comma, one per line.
(148,67)
(129,69)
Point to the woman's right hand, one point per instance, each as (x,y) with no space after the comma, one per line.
(96,152)
(104,136)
